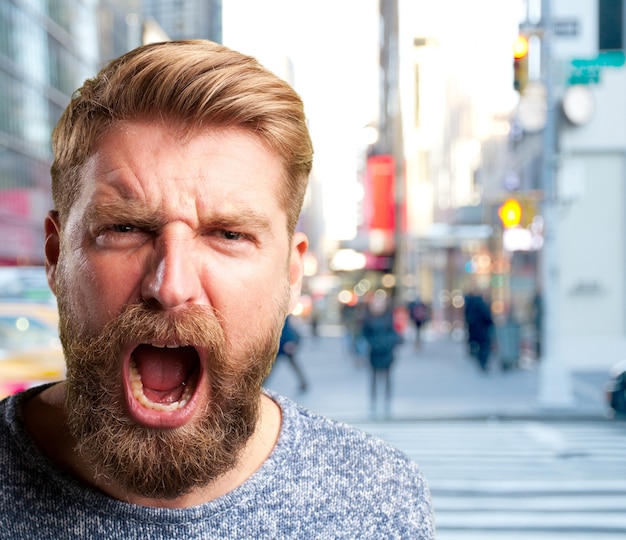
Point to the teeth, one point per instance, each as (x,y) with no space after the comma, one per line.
(165,346)
(137,389)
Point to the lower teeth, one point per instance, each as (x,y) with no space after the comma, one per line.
(137,389)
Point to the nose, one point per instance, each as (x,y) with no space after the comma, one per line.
(171,279)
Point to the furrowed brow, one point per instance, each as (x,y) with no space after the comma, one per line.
(247,220)
(138,215)
(127,212)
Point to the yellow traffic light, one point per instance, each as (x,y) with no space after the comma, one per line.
(520,47)
(510,213)
(520,63)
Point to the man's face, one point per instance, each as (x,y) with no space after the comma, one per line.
(173,274)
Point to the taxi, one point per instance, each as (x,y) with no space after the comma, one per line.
(30,349)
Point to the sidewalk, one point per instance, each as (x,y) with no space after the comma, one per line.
(435,381)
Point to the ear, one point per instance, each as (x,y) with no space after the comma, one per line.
(52,246)
(299,245)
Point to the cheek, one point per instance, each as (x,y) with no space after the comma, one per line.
(94,290)
(252,311)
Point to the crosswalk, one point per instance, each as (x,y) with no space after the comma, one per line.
(522,479)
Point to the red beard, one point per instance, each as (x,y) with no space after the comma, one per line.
(162,463)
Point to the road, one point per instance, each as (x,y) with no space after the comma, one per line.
(499,465)
(437,380)
(519,480)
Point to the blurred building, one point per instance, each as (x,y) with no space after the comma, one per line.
(457,97)
(589,86)
(187,19)
(461,170)
(428,213)
(47,50)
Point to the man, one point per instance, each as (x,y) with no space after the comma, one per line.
(178,178)
(382,340)
(479,325)
(419,314)
(287,349)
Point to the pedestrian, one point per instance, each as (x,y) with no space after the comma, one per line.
(315,319)
(352,314)
(537,321)
(479,324)
(287,348)
(419,313)
(178,177)
(382,339)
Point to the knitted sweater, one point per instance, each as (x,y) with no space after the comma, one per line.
(322,480)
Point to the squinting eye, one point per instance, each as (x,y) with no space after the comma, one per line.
(230,235)
(121,236)
(123,228)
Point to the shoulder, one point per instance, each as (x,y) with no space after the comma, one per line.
(356,454)
(25,471)
(356,477)
(12,424)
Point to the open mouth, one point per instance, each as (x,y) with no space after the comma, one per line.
(163,378)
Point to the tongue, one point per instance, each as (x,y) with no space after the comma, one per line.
(163,369)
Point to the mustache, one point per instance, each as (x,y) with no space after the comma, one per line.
(197,326)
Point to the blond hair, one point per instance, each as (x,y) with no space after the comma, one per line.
(197,85)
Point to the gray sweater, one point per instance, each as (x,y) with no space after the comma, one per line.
(323,480)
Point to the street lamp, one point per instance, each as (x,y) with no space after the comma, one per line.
(555,385)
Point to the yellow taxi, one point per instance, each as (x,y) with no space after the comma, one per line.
(30,350)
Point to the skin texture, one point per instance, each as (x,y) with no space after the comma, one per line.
(172,223)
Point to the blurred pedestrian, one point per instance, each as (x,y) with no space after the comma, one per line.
(419,313)
(289,341)
(479,325)
(537,321)
(315,318)
(382,339)
(352,314)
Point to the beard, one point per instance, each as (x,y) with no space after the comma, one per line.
(162,463)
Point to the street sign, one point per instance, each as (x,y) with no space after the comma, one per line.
(586,74)
(566,27)
(587,70)
(573,25)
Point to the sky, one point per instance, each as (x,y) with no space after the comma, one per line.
(333,49)
(476,38)
(333,46)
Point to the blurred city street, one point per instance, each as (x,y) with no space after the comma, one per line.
(462,150)
(437,380)
(499,465)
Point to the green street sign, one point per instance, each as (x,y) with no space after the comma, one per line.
(584,75)
(587,70)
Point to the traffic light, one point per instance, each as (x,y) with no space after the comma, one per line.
(510,213)
(520,63)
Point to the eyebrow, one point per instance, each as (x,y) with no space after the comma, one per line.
(126,212)
(138,214)
(238,219)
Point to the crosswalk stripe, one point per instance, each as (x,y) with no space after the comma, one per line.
(518,480)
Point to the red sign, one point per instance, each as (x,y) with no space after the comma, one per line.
(379,193)
(22,214)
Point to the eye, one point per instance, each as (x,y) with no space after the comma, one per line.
(121,235)
(232,239)
(123,228)
(231,235)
